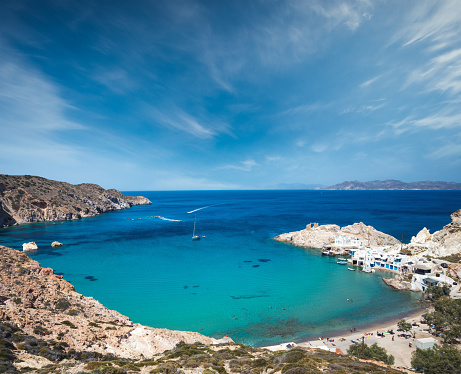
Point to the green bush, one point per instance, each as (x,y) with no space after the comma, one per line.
(62,304)
(370,352)
(68,323)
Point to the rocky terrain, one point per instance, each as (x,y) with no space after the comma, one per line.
(41,303)
(47,327)
(442,243)
(322,236)
(25,198)
(393,185)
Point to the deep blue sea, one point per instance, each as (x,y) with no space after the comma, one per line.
(236,280)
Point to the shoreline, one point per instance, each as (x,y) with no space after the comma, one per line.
(340,341)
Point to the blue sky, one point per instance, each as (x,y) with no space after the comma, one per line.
(167,95)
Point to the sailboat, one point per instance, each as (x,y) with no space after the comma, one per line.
(195,237)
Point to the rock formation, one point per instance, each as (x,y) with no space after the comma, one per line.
(56,244)
(441,243)
(28,198)
(31,246)
(324,235)
(43,304)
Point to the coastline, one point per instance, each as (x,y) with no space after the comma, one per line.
(399,347)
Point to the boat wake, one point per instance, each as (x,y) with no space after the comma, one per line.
(192,211)
(168,219)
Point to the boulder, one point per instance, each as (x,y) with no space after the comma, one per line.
(422,237)
(56,244)
(31,246)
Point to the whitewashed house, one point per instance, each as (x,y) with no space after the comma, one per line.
(344,241)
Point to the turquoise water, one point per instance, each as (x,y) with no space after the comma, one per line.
(236,280)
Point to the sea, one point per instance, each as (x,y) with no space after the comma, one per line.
(237,280)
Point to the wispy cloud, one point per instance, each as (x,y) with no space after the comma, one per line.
(363,109)
(370,81)
(246,165)
(438,121)
(30,103)
(177,120)
(118,80)
(345,13)
(451,150)
(436,22)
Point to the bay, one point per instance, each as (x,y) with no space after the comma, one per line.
(236,280)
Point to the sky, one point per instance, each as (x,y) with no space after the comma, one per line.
(214,95)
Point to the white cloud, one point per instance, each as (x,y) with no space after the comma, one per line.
(29,101)
(370,81)
(437,22)
(178,120)
(435,27)
(363,109)
(246,165)
(447,151)
(319,147)
(118,80)
(273,158)
(442,120)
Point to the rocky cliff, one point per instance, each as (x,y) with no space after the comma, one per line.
(25,198)
(442,243)
(44,305)
(324,235)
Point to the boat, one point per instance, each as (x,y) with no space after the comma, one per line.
(351,269)
(341,259)
(341,262)
(195,237)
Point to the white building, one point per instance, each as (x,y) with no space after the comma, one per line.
(376,259)
(345,241)
(422,282)
(425,343)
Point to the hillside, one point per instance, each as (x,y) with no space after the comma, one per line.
(47,327)
(25,198)
(392,184)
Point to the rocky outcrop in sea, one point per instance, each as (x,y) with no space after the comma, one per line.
(25,198)
(44,305)
(322,236)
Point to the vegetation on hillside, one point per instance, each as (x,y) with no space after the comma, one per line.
(220,359)
(373,352)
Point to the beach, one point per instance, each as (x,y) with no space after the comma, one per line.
(398,347)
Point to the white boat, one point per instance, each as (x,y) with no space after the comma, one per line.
(341,262)
(195,237)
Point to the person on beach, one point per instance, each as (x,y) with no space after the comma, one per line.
(354,328)
(351,329)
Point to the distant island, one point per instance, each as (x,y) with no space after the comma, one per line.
(392,184)
(27,198)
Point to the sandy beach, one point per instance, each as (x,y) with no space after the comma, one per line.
(397,346)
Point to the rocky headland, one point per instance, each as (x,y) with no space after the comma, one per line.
(26,198)
(443,243)
(322,236)
(43,304)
